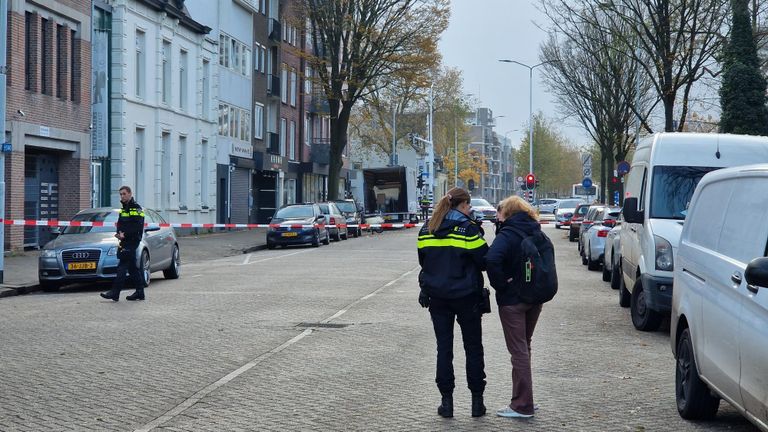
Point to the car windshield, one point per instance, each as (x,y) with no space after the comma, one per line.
(108,216)
(295,212)
(479,202)
(346,206)
(566,204)
(673,188)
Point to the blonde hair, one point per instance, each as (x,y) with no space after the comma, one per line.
(515,204)
(451,200)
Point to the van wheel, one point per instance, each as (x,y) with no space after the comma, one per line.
(606,274)
(694,400)
(615,276)
(624,295)
(643,318)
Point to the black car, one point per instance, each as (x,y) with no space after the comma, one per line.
(297,224)
(353,212)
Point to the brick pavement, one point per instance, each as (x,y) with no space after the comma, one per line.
(71,362)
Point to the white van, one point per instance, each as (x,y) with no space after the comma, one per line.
(665,170)
(720,303)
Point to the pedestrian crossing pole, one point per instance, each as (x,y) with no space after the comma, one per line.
(3,69)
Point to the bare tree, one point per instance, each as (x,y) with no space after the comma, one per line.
(358,44)
(673,41)
(595,82)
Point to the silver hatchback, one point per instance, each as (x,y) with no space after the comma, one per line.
(89,253)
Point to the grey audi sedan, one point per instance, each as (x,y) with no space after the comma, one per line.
(87,254)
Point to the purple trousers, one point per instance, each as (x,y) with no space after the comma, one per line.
(518,322)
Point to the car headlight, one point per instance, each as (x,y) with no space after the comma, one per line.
(664,259)
(48,253)
(112,251)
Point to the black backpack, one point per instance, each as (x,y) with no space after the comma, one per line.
(538,283)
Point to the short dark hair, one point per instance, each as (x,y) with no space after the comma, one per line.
(125,188)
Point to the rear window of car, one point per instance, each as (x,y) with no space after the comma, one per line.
(569,203)
(346,206)
(295,212)
(109,216)
(547,201)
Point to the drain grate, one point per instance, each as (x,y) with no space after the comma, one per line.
(322,325)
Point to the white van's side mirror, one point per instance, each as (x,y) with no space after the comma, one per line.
(757,274)
(630,211)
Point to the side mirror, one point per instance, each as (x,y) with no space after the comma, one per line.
(630,211)
(152,229)
(319,218)
(269,219)
(757,273)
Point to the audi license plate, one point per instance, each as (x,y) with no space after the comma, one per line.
(290,234)
(82,266)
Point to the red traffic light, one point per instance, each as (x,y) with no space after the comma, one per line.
(530,181)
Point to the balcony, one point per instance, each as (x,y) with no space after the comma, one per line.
(321,151)
(273,143)
(319,103)
(273,86)
(274,30)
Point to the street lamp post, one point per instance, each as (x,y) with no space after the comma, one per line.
(530,105)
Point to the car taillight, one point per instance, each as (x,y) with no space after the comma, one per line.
(332,221)
(602,233)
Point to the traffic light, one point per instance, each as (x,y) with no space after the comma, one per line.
(530,196)
(537,183)
(614,180)
(530,182)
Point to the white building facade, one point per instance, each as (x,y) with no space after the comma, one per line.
(163,115)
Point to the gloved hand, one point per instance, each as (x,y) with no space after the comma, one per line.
(423,299)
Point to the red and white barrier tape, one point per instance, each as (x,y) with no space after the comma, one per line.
(58,223)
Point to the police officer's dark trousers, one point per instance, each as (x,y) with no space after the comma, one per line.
(444,313)
(127,269)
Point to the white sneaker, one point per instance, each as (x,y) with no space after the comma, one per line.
(510,413)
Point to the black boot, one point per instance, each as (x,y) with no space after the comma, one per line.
(109,295)
(446,406)
(137,295)
(478,409)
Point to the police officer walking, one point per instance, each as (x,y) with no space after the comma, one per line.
(130,229)
(451,254)
(424,203)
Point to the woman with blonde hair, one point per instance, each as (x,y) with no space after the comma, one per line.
(451,251)
(517,220)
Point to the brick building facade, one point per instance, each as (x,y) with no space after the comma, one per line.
(47,114)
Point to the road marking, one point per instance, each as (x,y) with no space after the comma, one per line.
(196,276)
(247,258)
(276,257)
(197,397)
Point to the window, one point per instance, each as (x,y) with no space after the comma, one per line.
(166,83)
(29,60)
(234,55)
(183,80)
(282,137)
(182,177)
(284,83)
(258,121)
(206,88)
(74,71)
(61,60)
(263,58)
(204,173)
(307,80)
(165,171)
(45,75)
(294,86)
(234,122)
(140,63)
(292,141)
(307,129)
(259,57)
(138,168)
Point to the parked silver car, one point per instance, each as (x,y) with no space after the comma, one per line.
(87,254)
(548,205)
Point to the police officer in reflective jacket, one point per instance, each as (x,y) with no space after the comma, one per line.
(130,229)
(451,254)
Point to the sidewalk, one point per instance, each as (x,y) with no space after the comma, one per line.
(20,272)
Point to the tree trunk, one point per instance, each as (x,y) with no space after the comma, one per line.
(339,127)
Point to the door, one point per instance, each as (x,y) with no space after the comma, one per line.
(631,233)
(266,195)
(240,190)
(41,196)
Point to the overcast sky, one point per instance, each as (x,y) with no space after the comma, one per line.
(483,31)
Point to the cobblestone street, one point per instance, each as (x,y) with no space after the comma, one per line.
(321,339)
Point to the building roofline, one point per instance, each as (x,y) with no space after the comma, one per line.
(176,9)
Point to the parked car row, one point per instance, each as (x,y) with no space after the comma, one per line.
(316,223)
(694,219)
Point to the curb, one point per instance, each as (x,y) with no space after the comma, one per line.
(254,248)
(14,290)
